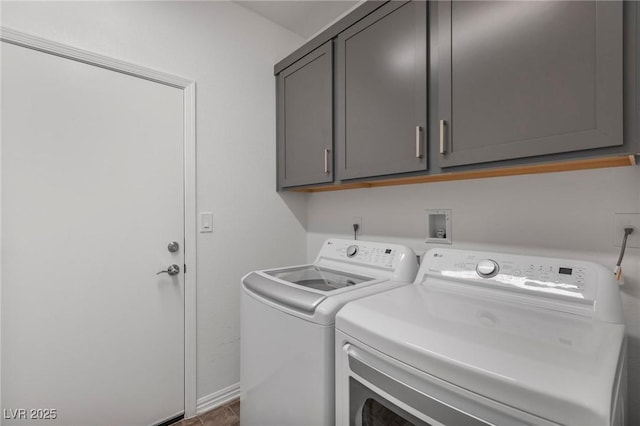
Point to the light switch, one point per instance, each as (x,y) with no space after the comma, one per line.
(206,222)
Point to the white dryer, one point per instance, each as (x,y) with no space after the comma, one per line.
(287,328)
(485,339)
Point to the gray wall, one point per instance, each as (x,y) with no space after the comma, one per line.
(230,53)
(566,214)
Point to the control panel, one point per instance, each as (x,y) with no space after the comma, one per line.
(544,277)
(366,252)
(384,260)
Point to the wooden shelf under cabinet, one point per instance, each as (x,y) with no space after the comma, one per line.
(563,166)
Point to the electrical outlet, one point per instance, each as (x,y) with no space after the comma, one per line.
(357,220)
(626,220)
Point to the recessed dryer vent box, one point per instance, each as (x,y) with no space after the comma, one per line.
(439,226)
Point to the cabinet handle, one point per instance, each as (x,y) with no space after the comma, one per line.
(442,128)
(326,160)
(418,144)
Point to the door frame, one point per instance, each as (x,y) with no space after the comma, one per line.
(188,88)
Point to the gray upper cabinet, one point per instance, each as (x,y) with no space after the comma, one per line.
(520,79)
(305,120)
(381,96)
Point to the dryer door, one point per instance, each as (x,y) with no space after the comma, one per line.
(368,408)
(381,390)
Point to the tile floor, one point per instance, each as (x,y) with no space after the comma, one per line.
(226,415)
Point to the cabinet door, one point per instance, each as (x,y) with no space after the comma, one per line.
(381,107)
(520,79)
(305,121)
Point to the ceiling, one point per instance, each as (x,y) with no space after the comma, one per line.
(303,17)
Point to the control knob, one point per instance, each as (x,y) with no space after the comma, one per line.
(487,268)
(352,250)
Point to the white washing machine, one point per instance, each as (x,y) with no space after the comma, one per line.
(485,339)
(287,336)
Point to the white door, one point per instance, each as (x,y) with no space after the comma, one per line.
(92,194)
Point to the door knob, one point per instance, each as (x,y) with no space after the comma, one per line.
(173,247)
(171,270)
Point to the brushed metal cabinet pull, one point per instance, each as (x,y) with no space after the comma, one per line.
(326,160)
(418,144)
(442,129)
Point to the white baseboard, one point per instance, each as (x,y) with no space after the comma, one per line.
(218,398)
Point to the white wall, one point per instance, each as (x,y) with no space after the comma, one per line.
(560,214)
(230,53)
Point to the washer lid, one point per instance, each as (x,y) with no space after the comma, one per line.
(283,295)
(315,277)
(302,288)
(552,364)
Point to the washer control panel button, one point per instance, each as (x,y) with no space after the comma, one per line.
(352,250)
(487,268)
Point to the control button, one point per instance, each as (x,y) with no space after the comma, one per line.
(487,268)
(352,250)
(517,273)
